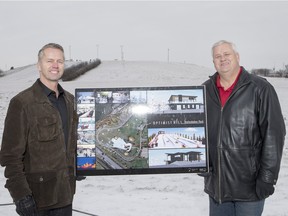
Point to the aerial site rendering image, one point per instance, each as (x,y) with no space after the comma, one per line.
(141,130)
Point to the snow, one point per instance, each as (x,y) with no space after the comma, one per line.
(141,195)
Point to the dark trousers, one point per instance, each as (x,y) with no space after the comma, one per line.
(27,207)
(64,211)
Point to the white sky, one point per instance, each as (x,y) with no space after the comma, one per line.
(145,30)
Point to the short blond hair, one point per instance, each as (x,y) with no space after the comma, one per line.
(49,45)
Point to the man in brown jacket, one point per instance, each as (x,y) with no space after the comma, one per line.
(39,143)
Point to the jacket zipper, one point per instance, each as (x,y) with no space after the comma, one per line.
(219,159)
(219,141)
(218,145)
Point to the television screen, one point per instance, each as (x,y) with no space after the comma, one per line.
(143,130)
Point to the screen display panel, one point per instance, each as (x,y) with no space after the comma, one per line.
(149,130)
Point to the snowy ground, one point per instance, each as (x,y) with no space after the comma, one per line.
(141,195)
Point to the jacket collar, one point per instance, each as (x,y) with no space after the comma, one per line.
(41,97)
(48,91)
(244,77)
(41,92)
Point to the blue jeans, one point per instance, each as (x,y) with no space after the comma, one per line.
(254,208)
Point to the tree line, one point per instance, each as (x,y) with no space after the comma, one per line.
(74,71)
(271,72)
(77,70)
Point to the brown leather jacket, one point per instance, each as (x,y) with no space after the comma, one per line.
(34,152)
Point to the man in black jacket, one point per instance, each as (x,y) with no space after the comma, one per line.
(246,134)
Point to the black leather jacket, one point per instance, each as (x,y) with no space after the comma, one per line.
(246,138)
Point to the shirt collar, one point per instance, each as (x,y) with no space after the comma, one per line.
(48,91)
(218,84)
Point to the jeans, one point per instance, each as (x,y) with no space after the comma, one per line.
(254,208)
(64,211)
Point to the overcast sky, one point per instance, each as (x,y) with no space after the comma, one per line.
(145,30)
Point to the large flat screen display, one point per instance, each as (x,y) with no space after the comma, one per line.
(141,130)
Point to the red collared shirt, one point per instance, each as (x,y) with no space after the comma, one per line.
(224,94)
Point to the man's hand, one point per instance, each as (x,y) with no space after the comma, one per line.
(80,178)
(263,189)
(26,206)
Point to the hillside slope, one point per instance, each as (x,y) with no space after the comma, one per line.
(141,74)
(107,74)
(129,195)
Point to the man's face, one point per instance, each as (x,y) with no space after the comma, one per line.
(51,65)
(225,59)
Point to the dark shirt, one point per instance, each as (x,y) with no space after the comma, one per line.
(60,104)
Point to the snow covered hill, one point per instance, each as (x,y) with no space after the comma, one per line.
(141,195)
